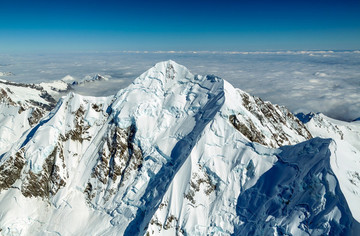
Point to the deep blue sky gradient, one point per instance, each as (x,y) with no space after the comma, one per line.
(178,25)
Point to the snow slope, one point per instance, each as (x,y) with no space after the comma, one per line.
(325,127)
(346,152)
(21,107)
(175,154)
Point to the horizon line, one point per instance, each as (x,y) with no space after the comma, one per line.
(230,52)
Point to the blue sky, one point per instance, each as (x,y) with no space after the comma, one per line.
(178,25)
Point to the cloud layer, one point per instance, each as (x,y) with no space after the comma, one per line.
(303,81)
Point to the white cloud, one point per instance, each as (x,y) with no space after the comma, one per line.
(292,78)
(321,74)
(68,78)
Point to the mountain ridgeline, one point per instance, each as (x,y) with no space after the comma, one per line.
(172,154)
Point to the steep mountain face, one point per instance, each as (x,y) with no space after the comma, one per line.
(21,107)
(175,153)
(325,127)
(346,136)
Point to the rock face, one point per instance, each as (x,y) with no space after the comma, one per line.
(267,124)
(173,154)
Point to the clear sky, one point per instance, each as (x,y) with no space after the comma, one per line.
(152,25)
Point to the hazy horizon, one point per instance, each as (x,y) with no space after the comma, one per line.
(303,81)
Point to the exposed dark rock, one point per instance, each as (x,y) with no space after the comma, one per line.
(195,184)
(169,220)
(47,97)
(21,110)
(33,86)
(4,98)
(170,72)
(89,192)
(156,222)
(47,182)
(119,159)
(36,115)
(190,196)
(51,102)
(96,107)
(272,118)
(10,170)
(253,135)
(79,133)
(42,105)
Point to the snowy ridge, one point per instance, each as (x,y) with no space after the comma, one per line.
(13,94)
(56,88)
(176,154)
(21,107)
(346,152)
(86,79)
(325,127)
(262,122)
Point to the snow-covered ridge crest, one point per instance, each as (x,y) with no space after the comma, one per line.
(257,120)
(86,79)
(21,107)
(172,154)
(163,75)
(260,121)
(326,127)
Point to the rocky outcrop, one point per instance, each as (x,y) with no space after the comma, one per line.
(119,160)
(268,124)
(10,170)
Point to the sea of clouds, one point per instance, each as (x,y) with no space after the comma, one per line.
(303,81)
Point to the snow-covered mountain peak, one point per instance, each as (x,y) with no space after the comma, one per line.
(164,75)
(174,154)
(167,102)
(172,88)
(170,70)
(86,79)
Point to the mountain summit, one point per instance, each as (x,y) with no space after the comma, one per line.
(176,154)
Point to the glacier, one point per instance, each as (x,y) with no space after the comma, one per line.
(173,154)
